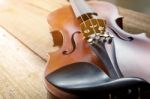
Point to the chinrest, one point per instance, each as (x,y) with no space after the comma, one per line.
(87,80)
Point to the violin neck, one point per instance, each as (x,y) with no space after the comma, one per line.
(80,7)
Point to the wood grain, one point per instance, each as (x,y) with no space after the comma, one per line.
(135,22)
(27,21)
(24,47)
(21,70)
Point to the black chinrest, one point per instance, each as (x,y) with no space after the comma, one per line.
(87,80)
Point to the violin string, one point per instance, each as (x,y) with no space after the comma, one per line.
(82,19)
(91,23)
(96,21)
(102,19)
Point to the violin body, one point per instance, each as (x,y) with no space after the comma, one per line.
(132,56)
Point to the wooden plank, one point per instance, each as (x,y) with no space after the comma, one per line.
(26,26)
(26,20)
(28,23)
(21,70)
(135,22)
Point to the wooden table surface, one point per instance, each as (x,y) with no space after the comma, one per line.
(25,41)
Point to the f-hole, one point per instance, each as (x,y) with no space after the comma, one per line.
(73,44)
(119,22)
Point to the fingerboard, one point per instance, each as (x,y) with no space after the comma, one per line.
(80,7)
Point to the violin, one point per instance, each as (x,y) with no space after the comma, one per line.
(92,43)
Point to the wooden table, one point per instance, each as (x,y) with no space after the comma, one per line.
(25,41)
